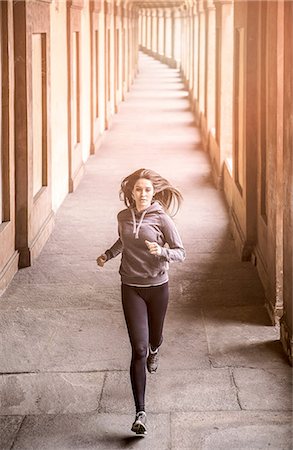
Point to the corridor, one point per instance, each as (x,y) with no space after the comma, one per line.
(223,380)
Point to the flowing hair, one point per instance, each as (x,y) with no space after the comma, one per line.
(168,196)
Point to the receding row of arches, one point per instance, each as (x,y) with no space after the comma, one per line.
(66,66)
(235,58)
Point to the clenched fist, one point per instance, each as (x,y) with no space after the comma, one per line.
(101,260)
(153,248)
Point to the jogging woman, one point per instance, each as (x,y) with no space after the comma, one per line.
(148,241)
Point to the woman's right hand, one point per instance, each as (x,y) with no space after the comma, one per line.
(101,260)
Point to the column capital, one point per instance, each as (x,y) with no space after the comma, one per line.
(77,4)
(160,12)
(129,12)
(183,11)
(167,12)
(223,2)
(96,5)
(124,12)
(118,9)
(176,12)
(200,6)
(108,8)
(210,4)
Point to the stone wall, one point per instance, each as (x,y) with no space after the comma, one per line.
(235,60)
(65,67)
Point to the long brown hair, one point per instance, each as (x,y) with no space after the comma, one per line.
(168,196)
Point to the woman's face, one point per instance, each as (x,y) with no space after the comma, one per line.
(142,193)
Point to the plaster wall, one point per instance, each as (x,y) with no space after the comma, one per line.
(8,254)
(102,81)
(59,110)
(85,82)
(286,321)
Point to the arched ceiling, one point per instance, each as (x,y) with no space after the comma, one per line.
(157,3)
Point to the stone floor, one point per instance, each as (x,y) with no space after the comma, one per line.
(223,381)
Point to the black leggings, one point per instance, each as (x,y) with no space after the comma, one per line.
(144,309)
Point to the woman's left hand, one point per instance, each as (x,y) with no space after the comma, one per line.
(154,248)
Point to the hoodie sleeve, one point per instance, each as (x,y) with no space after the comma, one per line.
(176,251)
(116,248)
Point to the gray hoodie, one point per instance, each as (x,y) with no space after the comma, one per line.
(138,267)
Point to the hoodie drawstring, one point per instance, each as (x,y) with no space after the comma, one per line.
(136,228)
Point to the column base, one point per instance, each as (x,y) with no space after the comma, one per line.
(8,272)
(214,152)
(274,312)
(171,62)
(75,180)
(27,255)
(286,339)
(243,247)
(96,145)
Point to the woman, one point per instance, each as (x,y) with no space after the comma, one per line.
(144,230)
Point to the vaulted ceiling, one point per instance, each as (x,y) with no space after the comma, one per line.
(158,3)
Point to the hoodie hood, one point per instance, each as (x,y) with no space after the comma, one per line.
(155,207)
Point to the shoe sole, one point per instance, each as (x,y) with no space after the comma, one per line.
(152,370)
(139,428)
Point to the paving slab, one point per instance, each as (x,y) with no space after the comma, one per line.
(265,389)
(91,431)
(63,340)
(24,337)
(88,340)
(50,393)
(220,246)
(242,336)
(180,390)
(9,427)
(61,296)
(214,292)
(69,274)
(178,351)
(237,431)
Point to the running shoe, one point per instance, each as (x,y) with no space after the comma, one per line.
(153,360)
(139,425)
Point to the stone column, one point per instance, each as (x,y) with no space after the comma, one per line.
(117,57)
(149,30)
(136,39)
(140,27)
(245,124)
(158,31)
(202,57)
(8,255)
(131,44)
(95,9)
(144,28)
(224,78)
(177,35)
(191,48)
(187,45)
(168,33)
(108,38)
(183,40)
(286,321)
(210,98)
(154,31)
(195,57)
(125,45)
(33,180)
(161,33)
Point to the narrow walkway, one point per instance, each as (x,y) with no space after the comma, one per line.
(223,381)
